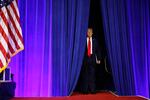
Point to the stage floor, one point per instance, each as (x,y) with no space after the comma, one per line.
(77,96)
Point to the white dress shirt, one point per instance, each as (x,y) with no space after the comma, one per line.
(91,43)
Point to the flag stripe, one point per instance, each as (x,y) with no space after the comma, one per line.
(11,40)
(12,33)
(1,65)
(15,38)
(16,7)
(6,54)
(12,36)
(12,14)
(14,24)
(4,24)
(3,39)
(3,50)
(5,30)
(2,58)
(4,43)
(6,40)
(15,12)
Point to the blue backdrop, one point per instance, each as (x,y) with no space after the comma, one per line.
(51,61)
(70,23)
(127,35)
(54,35)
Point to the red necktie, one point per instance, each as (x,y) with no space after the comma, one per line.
(89,48)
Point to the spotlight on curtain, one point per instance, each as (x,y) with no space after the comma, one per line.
(127,35)
(32,68)
(70,22)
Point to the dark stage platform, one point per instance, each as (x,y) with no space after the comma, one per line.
(7,90)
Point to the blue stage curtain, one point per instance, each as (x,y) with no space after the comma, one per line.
(54,37)
(70,23)
(127,35)
(32,68)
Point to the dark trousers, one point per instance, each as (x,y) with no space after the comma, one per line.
(88,75)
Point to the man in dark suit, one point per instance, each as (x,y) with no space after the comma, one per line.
(92,57)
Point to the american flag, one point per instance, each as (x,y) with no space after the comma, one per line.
(11,39)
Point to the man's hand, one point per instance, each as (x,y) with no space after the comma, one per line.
(98,61)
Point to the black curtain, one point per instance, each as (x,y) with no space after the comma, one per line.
(104,80)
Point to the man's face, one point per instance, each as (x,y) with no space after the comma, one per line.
(89,32)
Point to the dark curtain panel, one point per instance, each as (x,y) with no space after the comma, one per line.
(104,78)
(70,22)
(127,35)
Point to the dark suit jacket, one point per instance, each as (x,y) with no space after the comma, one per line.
(88,67)
(95,50)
